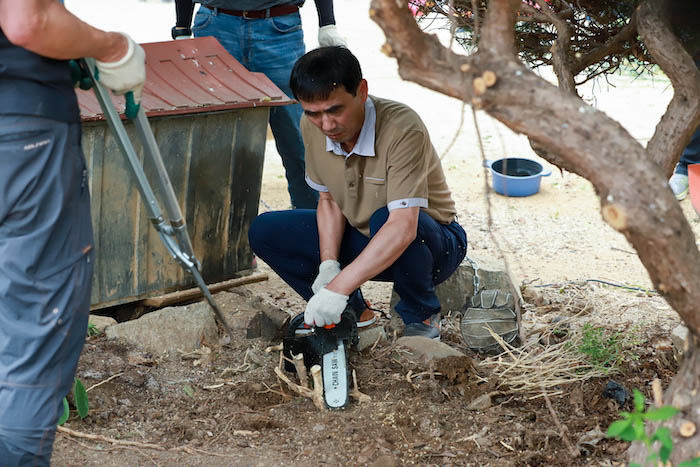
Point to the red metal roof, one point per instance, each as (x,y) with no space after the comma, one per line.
(192,75)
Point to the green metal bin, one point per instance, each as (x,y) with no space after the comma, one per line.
(209,116)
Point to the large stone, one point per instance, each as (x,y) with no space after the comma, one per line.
(429,349)
(368,337)
(101,322)
(183,328)
(459,287)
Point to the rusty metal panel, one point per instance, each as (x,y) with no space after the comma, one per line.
(209,116)
(215,164)
(193,75)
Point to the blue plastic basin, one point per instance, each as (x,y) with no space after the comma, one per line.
(514,176)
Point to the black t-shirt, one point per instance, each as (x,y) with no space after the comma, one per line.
(34,85)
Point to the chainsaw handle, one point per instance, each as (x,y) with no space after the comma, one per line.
(327,326)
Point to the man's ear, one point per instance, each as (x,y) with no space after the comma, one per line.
(362,90)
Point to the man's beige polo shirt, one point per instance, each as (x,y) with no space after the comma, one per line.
(393,165)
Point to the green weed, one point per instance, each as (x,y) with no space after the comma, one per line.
(602,349)
(80,398)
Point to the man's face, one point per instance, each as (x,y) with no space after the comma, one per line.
(341,115)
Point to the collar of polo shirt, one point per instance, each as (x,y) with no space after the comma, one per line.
(365,142)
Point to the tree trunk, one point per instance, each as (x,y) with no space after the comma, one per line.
(632,187)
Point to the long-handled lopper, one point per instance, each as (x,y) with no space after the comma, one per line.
(173,230)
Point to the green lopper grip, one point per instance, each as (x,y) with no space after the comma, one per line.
(132,108)
(80,76)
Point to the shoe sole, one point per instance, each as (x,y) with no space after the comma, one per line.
(367,318)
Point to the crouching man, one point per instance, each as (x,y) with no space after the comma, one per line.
(385,212)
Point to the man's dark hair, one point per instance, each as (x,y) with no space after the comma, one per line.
(316,74)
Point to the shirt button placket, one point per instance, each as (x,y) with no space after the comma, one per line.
(350,179)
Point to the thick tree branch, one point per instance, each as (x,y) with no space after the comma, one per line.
(633,191)
(674,130)
(498,35)
(560,49)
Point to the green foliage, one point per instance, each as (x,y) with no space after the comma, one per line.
(92,330)
(66,412)
(632,427)
(188,390)
(603,350)
(80,398)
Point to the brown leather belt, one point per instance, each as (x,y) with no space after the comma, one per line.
(279,10)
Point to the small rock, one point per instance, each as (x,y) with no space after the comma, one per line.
(591,437)
(101,322)
(319,428)
(616,392)
(152,384)
(482,402)
(429,348)
(367,337)
(679,336)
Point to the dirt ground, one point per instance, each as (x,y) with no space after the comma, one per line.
(554,241)
(232,410)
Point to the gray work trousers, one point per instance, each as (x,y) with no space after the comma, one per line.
(45,276)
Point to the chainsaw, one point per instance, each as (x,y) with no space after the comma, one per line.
(328,347)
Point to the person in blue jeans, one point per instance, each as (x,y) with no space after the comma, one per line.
(691,155)
(266,36)
(385,211)
(45,228)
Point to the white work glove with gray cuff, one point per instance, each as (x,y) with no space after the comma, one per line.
(325,308)
(326,273)
(328,36)
(126,74)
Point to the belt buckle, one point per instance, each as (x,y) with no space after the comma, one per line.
(245,15)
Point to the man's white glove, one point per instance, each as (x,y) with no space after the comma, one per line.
(328,36)
(126,74)
(325,308)
(326,273)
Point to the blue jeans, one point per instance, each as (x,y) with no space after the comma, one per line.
(691,154)
(288,242)
(45,277)
(270,46)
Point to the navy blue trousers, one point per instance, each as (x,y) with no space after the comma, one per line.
(691,154)
(288,242)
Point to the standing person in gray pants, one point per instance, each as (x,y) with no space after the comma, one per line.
(45,227)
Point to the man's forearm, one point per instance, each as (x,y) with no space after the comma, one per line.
(331,227)
(382,251)
(46,28)
(325,12)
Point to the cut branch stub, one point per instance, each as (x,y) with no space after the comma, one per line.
(616,216)
(489,78)
(687,429)
(479,86)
